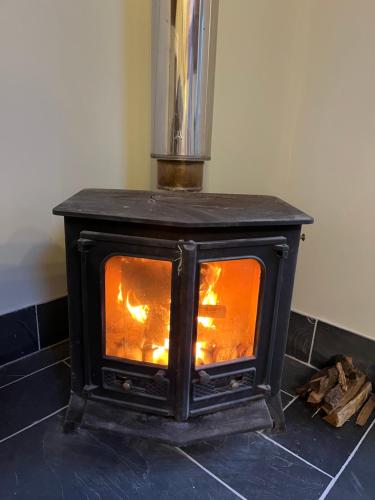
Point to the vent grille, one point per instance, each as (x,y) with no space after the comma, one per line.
(129,383)
(222,385)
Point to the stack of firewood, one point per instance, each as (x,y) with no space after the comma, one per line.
(339,391)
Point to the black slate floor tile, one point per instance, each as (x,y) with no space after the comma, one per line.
(285,398)
(258,469)
(53,321)
(300,334)
(330,340)
(295,374)
(358,479)
(315,440)
(18,334)
(33,362)
(45,463)
(33,398)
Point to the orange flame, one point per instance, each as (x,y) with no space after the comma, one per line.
(120,297)
(210,297)
(199,351)
(139,313)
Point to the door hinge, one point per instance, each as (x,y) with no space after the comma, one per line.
(282,250)
(84,244)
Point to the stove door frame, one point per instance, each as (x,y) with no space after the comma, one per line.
(96,248)
(271,252)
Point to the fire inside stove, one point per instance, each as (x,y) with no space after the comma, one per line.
(138,304)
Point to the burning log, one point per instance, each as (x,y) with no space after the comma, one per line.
(212,311)
(339,391)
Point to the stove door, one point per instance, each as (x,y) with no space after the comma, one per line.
(237,296)
(127,288)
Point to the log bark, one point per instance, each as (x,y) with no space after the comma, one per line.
(319,383)
(325,384)
(347,365)
(342,378)
(366,411)
(337,397)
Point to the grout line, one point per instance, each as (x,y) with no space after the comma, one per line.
(182,452)
(312,341)
(302,362)
(33,424)
(294,454)
(37,326)
(32,353)
(288,393)
(334,479)
(290,402)
(32,373)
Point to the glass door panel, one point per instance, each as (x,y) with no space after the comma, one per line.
(227,313)
(137,309)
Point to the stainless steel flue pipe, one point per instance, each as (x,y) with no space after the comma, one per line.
(183,68)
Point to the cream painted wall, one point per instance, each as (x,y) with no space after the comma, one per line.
(73,93)
(295,116)
(253,71)
(332,161)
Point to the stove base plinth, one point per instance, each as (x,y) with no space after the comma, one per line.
(91,414)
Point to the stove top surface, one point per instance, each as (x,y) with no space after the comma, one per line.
(182,209)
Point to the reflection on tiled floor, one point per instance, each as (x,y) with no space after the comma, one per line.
(312,460)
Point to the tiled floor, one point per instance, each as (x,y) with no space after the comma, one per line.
(38,461)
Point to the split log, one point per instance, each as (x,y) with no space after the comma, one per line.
(339,416)
(342,378)
(318,385)
(347,364)
(337,397)
(366,411)
(326,383)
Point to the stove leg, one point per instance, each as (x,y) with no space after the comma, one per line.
(74,413)
(276,410)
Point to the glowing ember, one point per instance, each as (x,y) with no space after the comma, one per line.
(160,353)
(139,313)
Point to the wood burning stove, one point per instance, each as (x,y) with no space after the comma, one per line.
(178,306)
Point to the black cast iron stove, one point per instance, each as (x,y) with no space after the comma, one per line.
(178,306)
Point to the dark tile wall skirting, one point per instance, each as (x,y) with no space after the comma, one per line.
(32,329)
(315,342)
(310,340)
